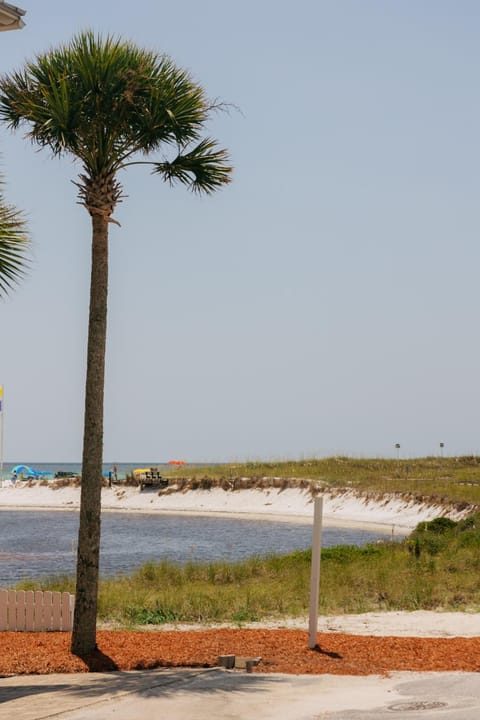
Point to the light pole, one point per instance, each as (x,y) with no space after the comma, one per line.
(397,445)
(442,445)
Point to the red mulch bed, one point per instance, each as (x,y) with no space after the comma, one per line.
(284,651)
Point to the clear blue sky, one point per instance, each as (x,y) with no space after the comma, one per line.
(326,302)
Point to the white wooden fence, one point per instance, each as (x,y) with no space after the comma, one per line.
(36,611)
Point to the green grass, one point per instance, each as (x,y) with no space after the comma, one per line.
(449,479)
(437,567)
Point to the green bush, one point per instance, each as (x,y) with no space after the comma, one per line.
(440,526)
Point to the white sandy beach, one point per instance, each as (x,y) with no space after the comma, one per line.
(289,504)
(418,623)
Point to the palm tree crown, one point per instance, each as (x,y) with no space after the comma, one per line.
(105,102)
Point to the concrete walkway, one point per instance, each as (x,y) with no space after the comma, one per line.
(231,695)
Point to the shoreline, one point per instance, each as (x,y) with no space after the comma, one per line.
(388,513)
(267,517)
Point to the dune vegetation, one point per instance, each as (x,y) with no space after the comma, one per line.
(447,479)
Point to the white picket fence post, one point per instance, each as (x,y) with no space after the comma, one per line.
(37,611)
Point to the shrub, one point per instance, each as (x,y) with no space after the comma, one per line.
(440,526)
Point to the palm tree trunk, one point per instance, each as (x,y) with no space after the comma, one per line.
(88,554)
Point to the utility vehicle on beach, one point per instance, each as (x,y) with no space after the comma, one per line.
(149,477)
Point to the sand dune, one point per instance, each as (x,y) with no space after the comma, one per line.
(346,507)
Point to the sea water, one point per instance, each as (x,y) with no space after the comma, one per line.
(75,468)
(35,544)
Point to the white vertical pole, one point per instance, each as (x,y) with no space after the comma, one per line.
(315,571)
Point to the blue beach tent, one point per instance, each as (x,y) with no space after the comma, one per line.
(26,472)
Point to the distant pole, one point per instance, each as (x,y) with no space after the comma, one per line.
(315,571)
(442,445)
(397,445)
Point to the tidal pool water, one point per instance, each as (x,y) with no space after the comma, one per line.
(36,544)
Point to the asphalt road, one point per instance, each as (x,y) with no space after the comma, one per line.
(232,695)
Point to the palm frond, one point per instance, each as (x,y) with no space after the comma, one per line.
(204,169)
(14,244)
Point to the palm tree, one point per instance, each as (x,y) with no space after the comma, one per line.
(109,104)
(14,243)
